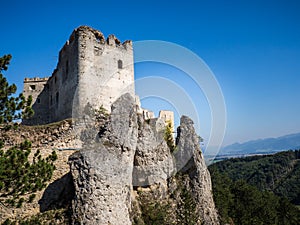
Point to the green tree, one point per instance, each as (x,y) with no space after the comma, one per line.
(222,194)
(242,202)
(20,179)
(186,211)
(12,108)
(278,173)
(168,136)
(288,214)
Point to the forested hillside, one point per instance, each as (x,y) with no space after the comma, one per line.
(258,189)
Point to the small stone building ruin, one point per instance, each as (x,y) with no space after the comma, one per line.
(90,70)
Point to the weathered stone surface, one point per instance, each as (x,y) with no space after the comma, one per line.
(153,161)
(132,152)
(89,69)
(56,135)
(102,173)
(190,160)
(128,152)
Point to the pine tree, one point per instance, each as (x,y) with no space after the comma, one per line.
(19,177)
(11,108)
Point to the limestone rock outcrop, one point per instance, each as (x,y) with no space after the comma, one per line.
(190,161)
(130,162)
(102,172)
(153,161)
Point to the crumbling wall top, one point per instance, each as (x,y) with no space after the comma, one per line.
(35,79)
(86,29)
(111,39)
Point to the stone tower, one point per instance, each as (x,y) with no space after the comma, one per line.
(37,88)
(90,69)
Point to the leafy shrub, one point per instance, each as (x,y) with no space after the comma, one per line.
(168,136)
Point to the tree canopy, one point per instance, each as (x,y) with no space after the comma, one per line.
(257,189)
(11,107)
(19,177)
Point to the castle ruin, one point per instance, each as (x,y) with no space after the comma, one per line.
(90,70)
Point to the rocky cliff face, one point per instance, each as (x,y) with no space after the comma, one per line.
(102,171)
(190,161)
(128,168)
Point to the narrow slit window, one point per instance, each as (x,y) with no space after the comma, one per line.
(57,97)
(65,77)
(67,68)
(120,64)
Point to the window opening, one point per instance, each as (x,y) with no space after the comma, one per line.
(120,64)
(57,97)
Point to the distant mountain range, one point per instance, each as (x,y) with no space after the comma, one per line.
(268,145)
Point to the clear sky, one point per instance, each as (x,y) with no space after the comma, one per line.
(252,47)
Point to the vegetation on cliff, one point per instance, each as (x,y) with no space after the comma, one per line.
(20,177)
(168,136)
(258,189)
(58,216)
(176,207)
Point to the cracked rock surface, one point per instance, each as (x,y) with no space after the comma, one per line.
(102,172)
(132,153)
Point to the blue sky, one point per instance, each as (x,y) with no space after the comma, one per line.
(252,47)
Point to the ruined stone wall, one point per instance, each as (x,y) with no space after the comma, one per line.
(53,97)
(147,114)
(39,90)
(167,116)
(90,69)
(58,137)
(63,82)
(105,68)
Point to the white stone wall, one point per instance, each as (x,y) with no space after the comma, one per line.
(166,116)
(101,81)
(88,71)
(147,114)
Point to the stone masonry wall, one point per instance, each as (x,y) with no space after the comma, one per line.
(39,90)
(90,69)
(105,68)
(64,81)
(46,138)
